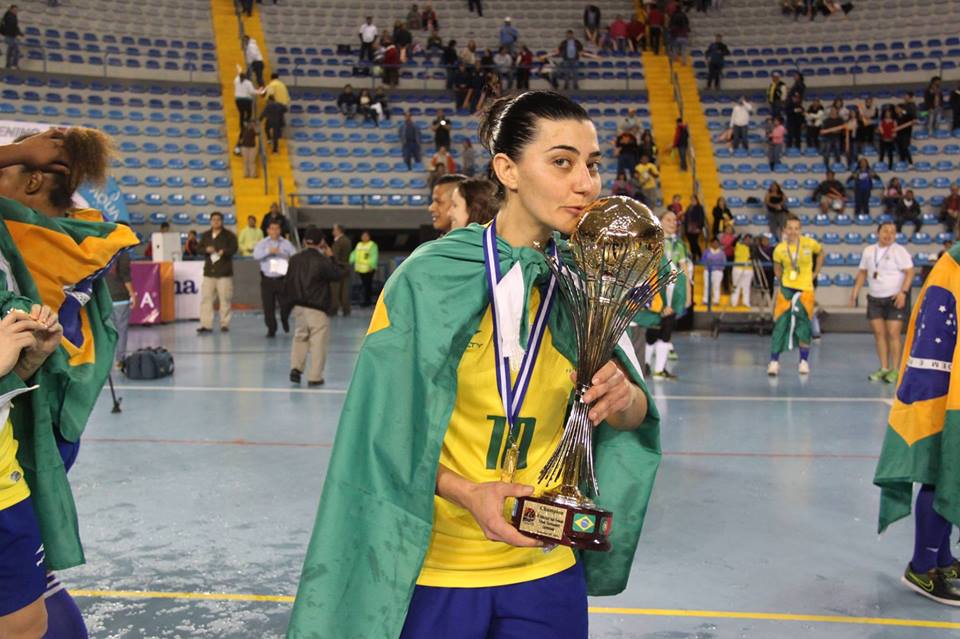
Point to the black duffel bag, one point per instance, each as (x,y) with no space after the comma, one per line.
(148,363)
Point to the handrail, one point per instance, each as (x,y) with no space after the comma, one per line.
(691,154)
(261,146)
(291,214)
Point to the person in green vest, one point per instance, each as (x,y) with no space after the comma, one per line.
(365,259)
(249,237)
(660,318)
(410,539)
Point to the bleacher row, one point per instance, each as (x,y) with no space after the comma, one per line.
(187,18)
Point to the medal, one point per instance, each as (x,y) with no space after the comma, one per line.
(794,262)
(512,394)
(793,275)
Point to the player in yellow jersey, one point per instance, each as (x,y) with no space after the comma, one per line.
(797,261)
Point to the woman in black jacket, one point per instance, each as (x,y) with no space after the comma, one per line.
(694,221)
(721,215)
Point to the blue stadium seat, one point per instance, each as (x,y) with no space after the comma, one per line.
(158,218)
(833,259)
(203,218)
(199,199)
(853,238)
(830,238)
(129,180)
(852,259)
(840,279)
(223,200)
(181,219)
(921,239)
(176,199)
(137,218)
(199,182)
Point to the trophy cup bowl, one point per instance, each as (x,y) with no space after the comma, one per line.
(613,270)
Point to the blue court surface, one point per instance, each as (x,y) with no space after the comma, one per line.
(197,502)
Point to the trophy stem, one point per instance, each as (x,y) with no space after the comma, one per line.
(572,462)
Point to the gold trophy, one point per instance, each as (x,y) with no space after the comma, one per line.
(614,267)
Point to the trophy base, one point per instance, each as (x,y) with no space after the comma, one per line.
(555,519)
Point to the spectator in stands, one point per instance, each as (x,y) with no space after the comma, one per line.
(908,210)
(365,107)
(491,90)
(630,122)
(933,104)
(728,242)
(340,289)
(888,136)
(831,194)
(441,130)
(714,261)
(402,38)
(862,180)
(10,30)
(740,123)
(814,121)
(742,271)
(441,164)
(832,136)
(504,64)
(647,145)
(309,277)
(888,268)
(905,122)
(368,35)
(679,29)
(607,43)
(441,201)
(775,140)
(380,105)
(851,140)
(867,128)
(591,23)
(219,245)
(191,248)
(273,252)
(637,33)
(623,185)
(253,59)
(275,215)
(468,158)
(955,108)
(365,260)
(721,215)
(716,55)
(475,4)
(524,65)
(799,87)
(647,174)
(776,204)
(434,45)
(244,93)
(247,7)
(796,116)
(508,35)
(463,85)
(249,237)
(627,150)
(450,60)
(473,201)
(278,90)
(428,19)
(392,60)
(248,149)
(570,51)
(776,94)
(892,195)
(413,18)
(347,102)
(411,140)
(676,205)
(694,222)
(618,31)
(469,54)
(273,116)
(681,142)
(656,21)
(950,209)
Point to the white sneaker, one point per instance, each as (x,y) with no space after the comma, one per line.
(773,369)
(804,367)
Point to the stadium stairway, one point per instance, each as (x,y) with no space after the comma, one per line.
(248,193)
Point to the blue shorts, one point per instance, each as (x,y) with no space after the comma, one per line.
(554,606)
(23,577)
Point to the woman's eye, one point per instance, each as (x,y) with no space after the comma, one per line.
(594,167)
(562,162)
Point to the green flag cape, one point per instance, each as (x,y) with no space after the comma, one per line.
(922,441)
(376,511)
(59,262)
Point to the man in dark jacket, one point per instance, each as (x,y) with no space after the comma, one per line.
(340,289)
(273,115)
(276,215)
(716,54)
(219,246)
(307,290)
(10,30)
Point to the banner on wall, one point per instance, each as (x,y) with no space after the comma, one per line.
(108,198)
(187,276)
(145,277)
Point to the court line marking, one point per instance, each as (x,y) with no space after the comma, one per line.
(600,610)
(341,391)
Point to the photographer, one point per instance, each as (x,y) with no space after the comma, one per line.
(441,130)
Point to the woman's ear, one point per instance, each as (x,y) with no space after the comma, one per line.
(506,171)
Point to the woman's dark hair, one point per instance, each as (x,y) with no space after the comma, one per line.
(482,199)
(510,123)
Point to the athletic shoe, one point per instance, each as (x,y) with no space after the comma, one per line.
(804,367)
(773,368)
(951,572)
(879,375)
(665,374)
(316,384)
(892,376)
(224,329)
(932,585)
(672,356)
(295,375)
(202,330)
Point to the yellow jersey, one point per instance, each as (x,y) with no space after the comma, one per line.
(804,254)
(741,254)
(278,90)
(459,556)
(13,487)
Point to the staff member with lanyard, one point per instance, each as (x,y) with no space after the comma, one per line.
(274,253)
(888,269)
(796,264)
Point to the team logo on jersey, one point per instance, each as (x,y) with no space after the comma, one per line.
(584,523)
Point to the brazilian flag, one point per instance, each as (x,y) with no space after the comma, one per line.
(60,262)
(922,442)
(376,512)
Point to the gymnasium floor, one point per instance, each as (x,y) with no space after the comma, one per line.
(197,502)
